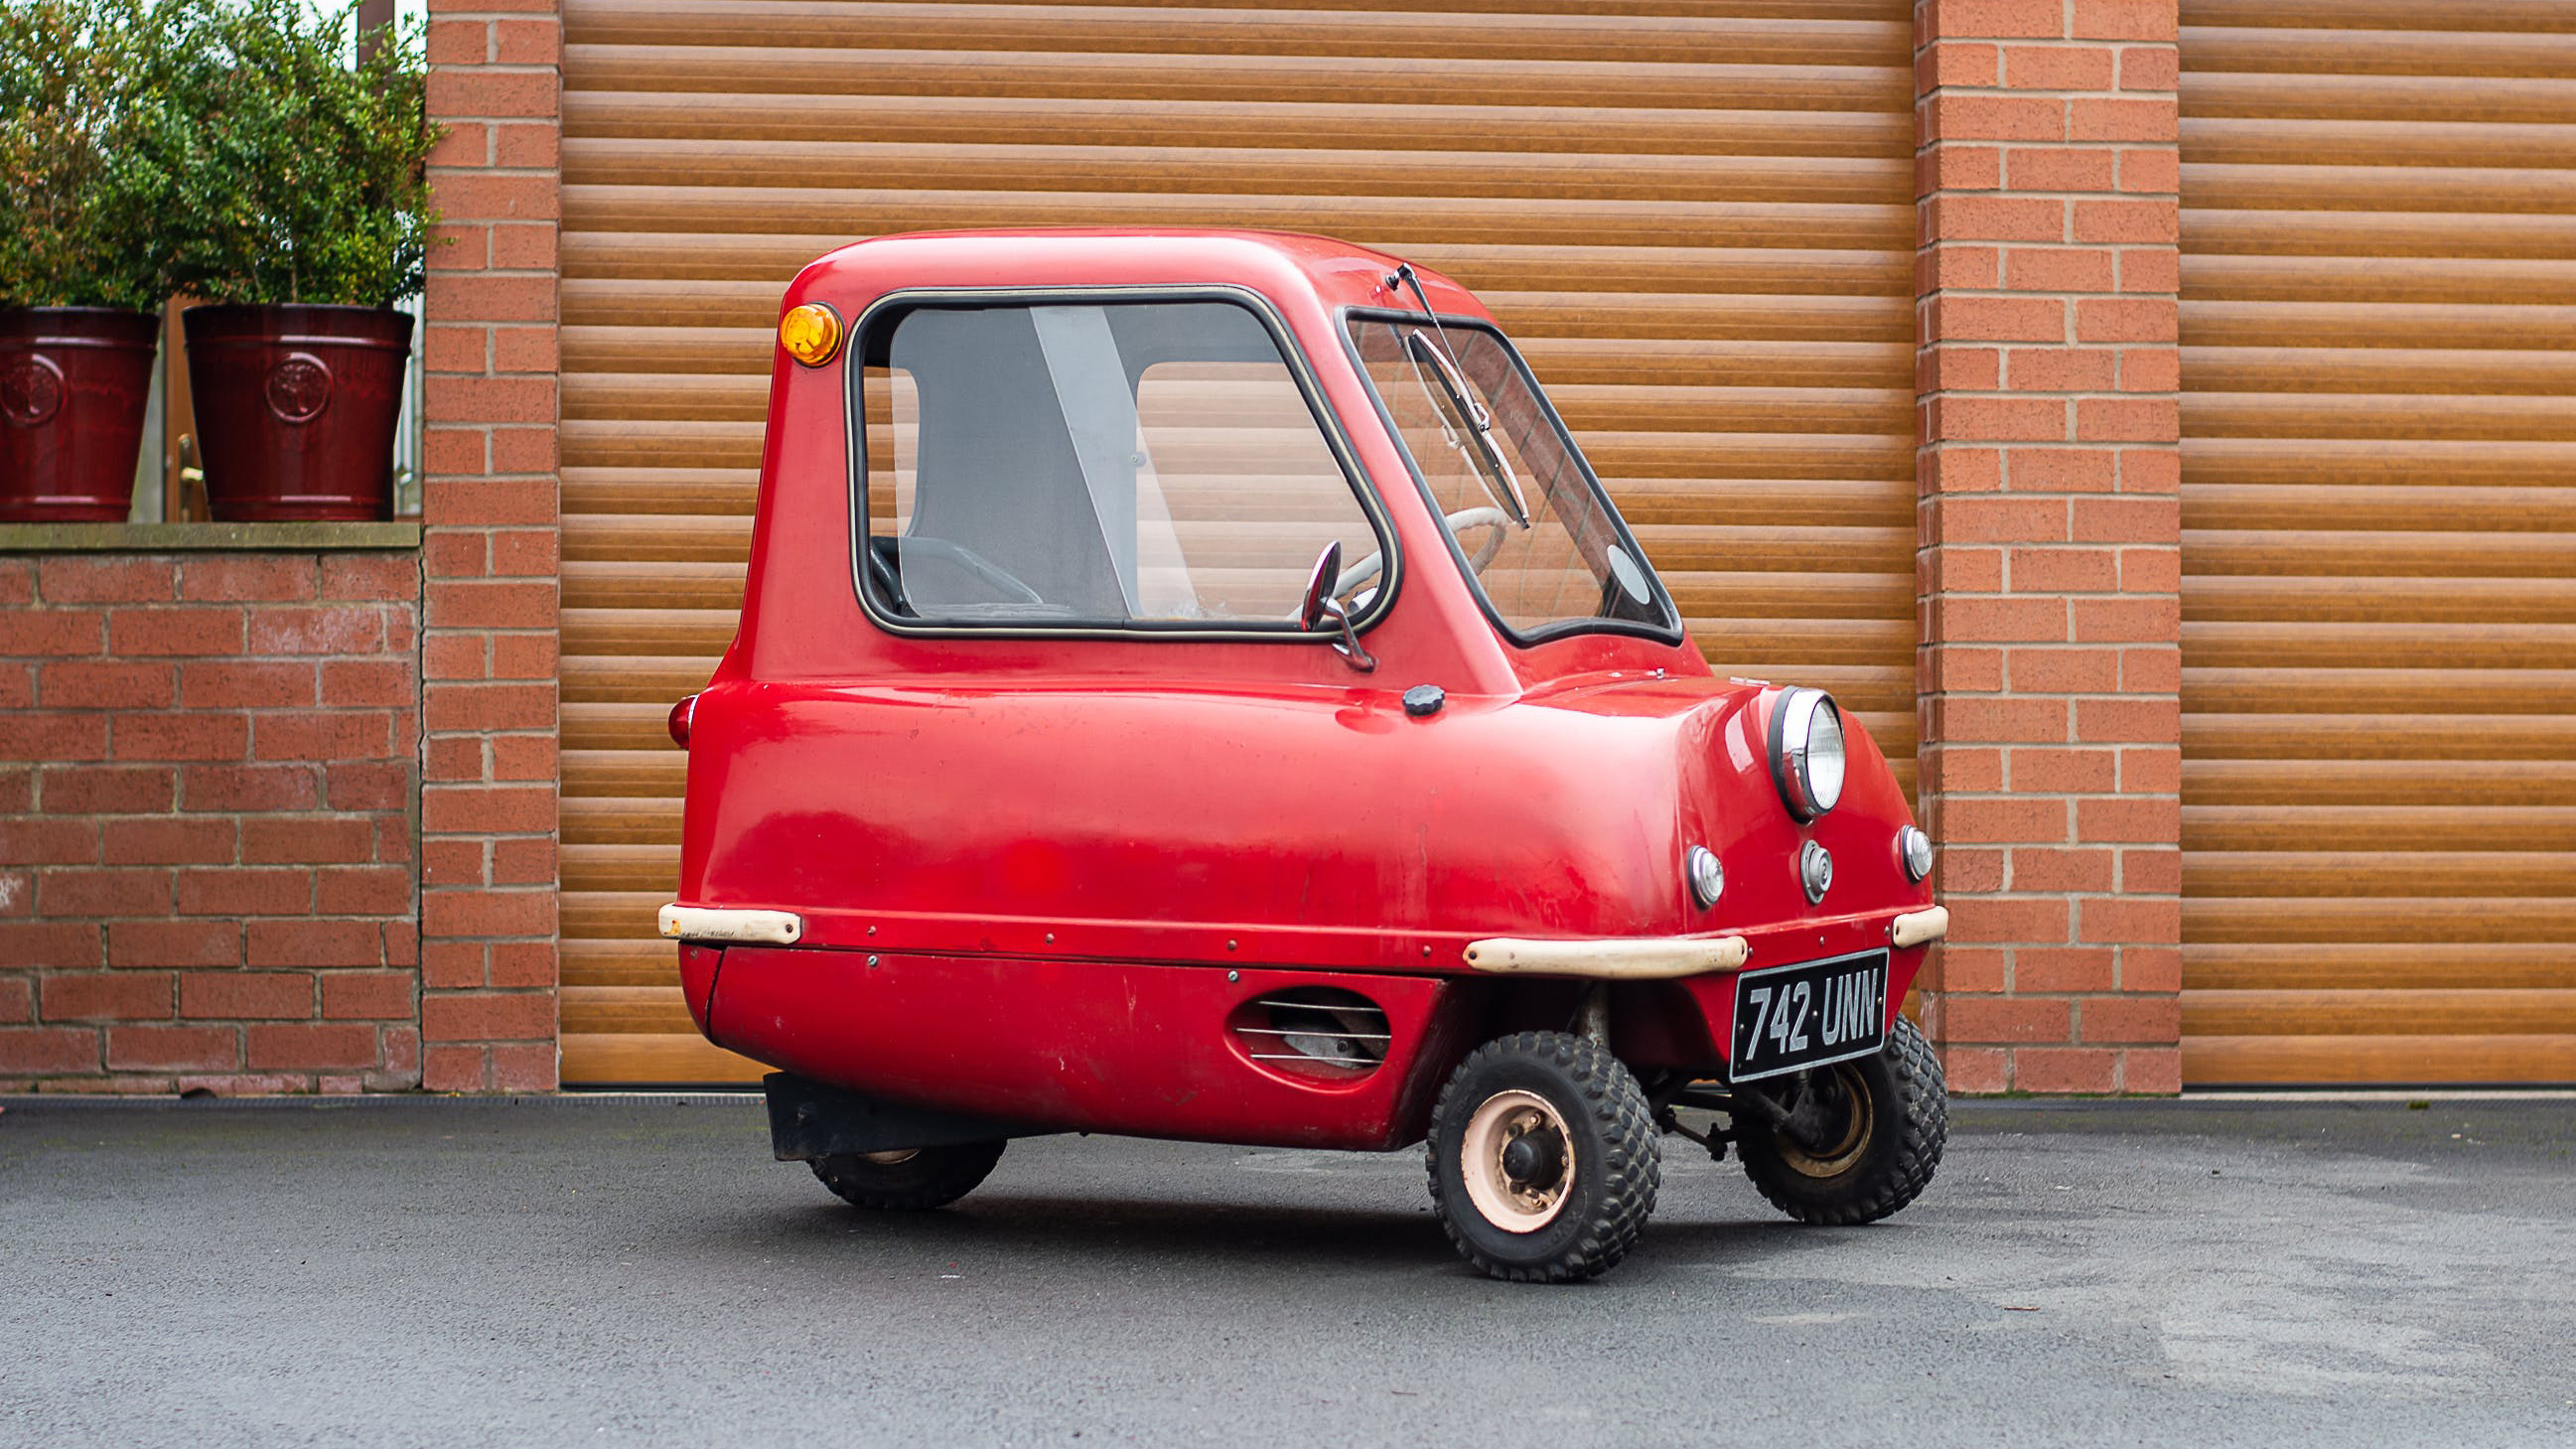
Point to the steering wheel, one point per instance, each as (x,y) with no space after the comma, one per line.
(885,562)
(1494,521)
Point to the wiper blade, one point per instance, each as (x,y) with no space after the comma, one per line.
(1404,277)
(1453,380)
(1501,483)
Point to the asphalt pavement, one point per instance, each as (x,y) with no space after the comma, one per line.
(612,1271)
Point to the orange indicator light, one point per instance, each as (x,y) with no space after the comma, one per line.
(811,334)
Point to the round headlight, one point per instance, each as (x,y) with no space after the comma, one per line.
(1807,752)
(1707,877)
(1915,849)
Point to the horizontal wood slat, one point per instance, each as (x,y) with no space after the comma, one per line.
(1252,170)
(1222,30)
(2470,965)
(1741,81)
(666,1059)
(1081,120)
(2379,547)
(2382,1012)
(2372,1060)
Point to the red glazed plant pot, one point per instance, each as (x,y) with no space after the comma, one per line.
(73,385)
(296,407)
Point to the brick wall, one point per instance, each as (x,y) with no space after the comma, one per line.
(489,651)
(2049,538)
(207,779)
(2049,666)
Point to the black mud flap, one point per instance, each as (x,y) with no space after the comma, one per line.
(809,1121)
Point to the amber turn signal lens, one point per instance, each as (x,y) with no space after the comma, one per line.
(811,334)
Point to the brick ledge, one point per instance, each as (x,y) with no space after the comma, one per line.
(194,537)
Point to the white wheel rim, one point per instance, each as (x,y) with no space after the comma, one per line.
(1512,1206)
(1838,1158)
(889,1159)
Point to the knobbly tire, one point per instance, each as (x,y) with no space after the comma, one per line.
(1887,1118)
(1563,1155)
(926,1177)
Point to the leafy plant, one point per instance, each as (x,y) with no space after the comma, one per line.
(305,177)
(97,112)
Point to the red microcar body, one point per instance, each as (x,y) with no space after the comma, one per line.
(1053,783)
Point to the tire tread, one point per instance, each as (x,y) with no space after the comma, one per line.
(1923,1130)
(1633,1157)
(934,1179)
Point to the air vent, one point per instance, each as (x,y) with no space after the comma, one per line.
(1315,1031)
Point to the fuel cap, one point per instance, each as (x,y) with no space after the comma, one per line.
(1424,699)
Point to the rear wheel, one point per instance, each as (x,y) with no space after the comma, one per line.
(1861,1139)
(910,1180)
(1543,1158)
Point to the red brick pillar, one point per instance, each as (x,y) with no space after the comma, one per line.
(2049,560)
(489,752)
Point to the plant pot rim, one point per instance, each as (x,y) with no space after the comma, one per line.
(222,327)
(290,307)
(69,328)
(83,307)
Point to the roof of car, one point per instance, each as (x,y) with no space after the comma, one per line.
(1335,273)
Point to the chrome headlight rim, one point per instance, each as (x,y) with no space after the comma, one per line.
(1704,874)
(1914,852)
(1796,722)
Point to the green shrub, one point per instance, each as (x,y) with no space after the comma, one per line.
(97,113)
(304,179)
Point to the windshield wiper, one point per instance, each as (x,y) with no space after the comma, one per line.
(1444,363)
(1402,278)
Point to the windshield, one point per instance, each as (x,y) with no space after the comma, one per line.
(1527,520)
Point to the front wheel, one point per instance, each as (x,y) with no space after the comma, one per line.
(1861,1139)
(911,1180)
(1543,1158)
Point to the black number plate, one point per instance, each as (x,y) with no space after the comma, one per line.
(1789,1017)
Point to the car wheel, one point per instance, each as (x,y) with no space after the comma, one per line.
(1867,1136)
(910,1180)
(1543,1158)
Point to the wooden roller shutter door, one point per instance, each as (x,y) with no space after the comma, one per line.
(2379,541)
(1697,218)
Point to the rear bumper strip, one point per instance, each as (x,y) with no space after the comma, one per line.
(710,923)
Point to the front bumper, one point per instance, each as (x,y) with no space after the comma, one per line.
(1668,958)
(1644,958)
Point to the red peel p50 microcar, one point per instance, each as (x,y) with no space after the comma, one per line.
(1191,685)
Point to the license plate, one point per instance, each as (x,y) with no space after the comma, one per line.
(1792,1017)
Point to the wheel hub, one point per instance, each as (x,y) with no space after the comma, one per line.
(1517,1161)
(1830,1127)
(1534,1159)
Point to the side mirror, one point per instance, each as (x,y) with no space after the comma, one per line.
(1320,605)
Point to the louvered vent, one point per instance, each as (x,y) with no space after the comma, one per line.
(1319,1031)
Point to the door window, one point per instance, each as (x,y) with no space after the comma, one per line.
(1122,464)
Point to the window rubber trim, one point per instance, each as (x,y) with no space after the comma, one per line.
(1336,438)
(1672,632)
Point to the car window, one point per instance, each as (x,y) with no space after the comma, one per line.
(1148,464)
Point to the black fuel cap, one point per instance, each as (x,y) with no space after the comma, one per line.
(1424,699)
